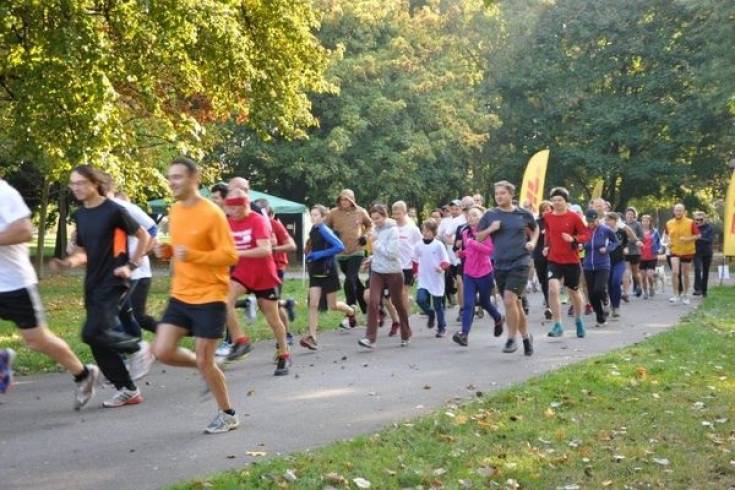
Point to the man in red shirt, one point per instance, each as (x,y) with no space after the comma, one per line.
(281,243)
(565,232)
(255,271)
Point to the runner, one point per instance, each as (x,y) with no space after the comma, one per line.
(352,224)
(436,215)
(617,263)
(683,233)
(633,254)
(101,244)
(202,251)
(703,255)
(597,263)
(478,277)
(133,310)
(430,256)
(321,250)
(408,237)
(565,231)
(218,193)
(509,226)
(255,272)
(281,244)
(385,272)
(448,235)
(21,304)
(541,265)
(649,256)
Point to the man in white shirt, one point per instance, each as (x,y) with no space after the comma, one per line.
(21,304)
(408,236)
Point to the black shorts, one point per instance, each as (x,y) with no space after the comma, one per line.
(205,321)
(22,307)
(329,284)
(272,294)
(649,265)
(633,259)
(408,277)
(513,280)
(567,273)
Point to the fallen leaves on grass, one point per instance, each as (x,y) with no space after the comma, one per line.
(335,479)
(362,483)
(256,454)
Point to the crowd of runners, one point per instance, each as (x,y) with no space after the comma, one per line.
(228,252)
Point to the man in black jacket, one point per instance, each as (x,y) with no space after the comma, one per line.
(703,255)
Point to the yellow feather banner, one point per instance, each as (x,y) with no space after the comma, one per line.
(532,190)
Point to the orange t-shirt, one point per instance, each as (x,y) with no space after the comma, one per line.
(204,277)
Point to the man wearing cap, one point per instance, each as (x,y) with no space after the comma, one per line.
(565,232)
(352,224)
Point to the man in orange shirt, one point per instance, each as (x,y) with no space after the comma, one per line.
(683,234)
(202,250)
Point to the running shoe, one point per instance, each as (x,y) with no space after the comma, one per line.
(284,362)
(308,342)
(600,324)
(479,313)
(697,293)
(580,327)
(290,305)
(345,324)
(85,388)
(556,331)
(510,346)
(685,299)
(441,332)
(459,315)
(460,339)
(615,314)
(638,292)
(123,397)
(547,314)
(528,345)
(240,349)
(645,295)
(352,320)
(222,422)
(498,331)
(224,349)
(431,322)
(365,342)
(625,298)
(395,326)
(675,300)
(588,309)
(141,362)
(7,356)
(405,342)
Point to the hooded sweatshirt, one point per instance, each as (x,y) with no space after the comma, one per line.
(386,257)
(349,224)
(601,236)
(476,255)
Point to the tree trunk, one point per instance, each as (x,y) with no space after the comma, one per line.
(42,225)
(61,237)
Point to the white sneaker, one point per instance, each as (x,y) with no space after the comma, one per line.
(366,343)
(222,423)
(674,300)
(141,362)
(251,313)
(685,299)
(123,397)
(223,350)
(85,388)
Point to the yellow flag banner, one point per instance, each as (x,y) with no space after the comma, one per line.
(597,191)
(729,229)
(532,190)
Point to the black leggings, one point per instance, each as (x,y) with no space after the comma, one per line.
(542,272)
(354,289)
(597,290)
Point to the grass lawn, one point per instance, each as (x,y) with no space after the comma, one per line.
(660,414)
(62,297)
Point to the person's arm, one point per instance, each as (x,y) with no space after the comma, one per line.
(19,231)
(262,249)
(632,237)
(695,235)
(581,232)
(367,223)
(612,241)
(443,259)
(487,226)
(707,235)
(335,245)
(224,253)
(484,247)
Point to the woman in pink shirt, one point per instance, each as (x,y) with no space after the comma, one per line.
(478,277)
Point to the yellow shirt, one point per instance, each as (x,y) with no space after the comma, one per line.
(204,276)
(678,228)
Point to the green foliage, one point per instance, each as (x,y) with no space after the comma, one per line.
(127,84)
(406,123)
